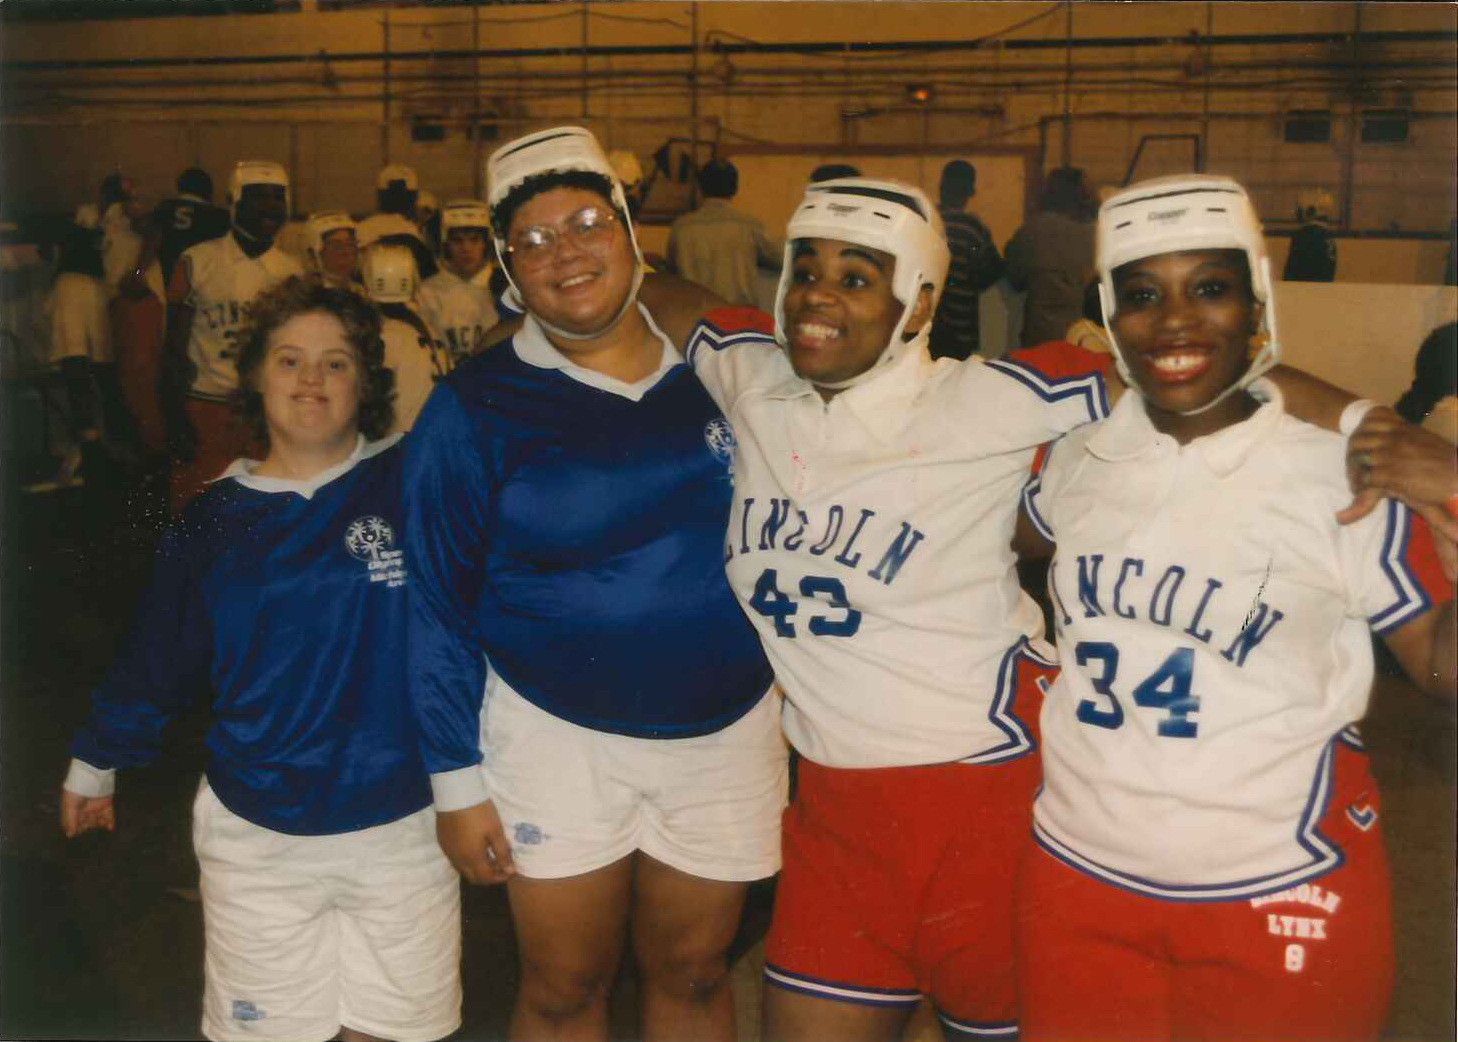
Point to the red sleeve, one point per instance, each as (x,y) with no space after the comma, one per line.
(1421,558)
(733,319)
(1039,458)
(1058,359)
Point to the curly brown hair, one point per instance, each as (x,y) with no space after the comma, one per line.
(301,295)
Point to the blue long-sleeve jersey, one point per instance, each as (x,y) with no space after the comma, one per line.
(574,538)
(294,609)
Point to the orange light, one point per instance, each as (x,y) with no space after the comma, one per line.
(918,93)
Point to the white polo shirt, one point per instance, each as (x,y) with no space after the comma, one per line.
(224,281)
(1213,623)
(869,542)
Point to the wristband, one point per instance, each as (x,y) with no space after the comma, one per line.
(1354,414)
(1451,506)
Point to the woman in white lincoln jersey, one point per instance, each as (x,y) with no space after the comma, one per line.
(1209,863)
(875,493)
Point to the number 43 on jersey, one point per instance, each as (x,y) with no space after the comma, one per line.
(773,604)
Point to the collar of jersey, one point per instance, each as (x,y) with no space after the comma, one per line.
(242,470)
(884,402)
(269,258)
(1128,433)
(533,348)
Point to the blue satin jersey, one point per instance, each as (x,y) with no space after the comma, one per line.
(293,609)
(574,538)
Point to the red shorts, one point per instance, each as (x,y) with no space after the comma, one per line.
(222,437)
(136,331)
(1312,962)
(898,883)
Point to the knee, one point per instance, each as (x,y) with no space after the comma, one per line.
(560,995)
(693,977)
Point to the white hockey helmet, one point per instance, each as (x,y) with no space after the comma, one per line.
(558,150)
(426,207)
(1185,212)
(388,175)
(389,273)
(464,213)
(891,216)
(257,172)
(326,222)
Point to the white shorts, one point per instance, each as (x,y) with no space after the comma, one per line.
(573,799)
(307,933)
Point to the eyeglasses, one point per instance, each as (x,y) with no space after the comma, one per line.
(589,228)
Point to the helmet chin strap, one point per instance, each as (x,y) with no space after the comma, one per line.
(251,236)
(894,350)
(629,300)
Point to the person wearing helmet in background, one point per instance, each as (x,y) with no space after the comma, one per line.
(332,249)
(1313,250)
(457,300)
(209,299)
(1208,860)
(596,713)
(397,191)
(413,349)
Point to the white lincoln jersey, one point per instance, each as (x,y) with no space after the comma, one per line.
(1213,625)
(224,281)
(459,310)
(869,542)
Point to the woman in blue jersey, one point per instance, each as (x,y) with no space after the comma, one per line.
(328,908)
(596,713)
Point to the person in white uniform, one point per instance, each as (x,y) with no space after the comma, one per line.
(209,302)
(332,247)
(1209,858)
(412,348)
(457,300)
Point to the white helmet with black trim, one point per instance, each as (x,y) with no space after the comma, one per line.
(1186,212)
(887,215)
(397,172)
(257,172)
(464,213)
(324,223)
(558,150)
(389,274)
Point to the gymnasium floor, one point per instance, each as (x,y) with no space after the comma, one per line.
(101,937)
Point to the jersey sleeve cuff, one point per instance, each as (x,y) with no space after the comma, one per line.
(458,789)
(86,780)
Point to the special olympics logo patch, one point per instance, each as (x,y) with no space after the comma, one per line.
(719,436)
(368,537)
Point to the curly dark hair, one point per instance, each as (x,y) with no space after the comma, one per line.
(301,295)
(586,180)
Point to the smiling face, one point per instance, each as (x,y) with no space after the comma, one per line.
(310,382)
(839,309)
(1184,322)
(581,283)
